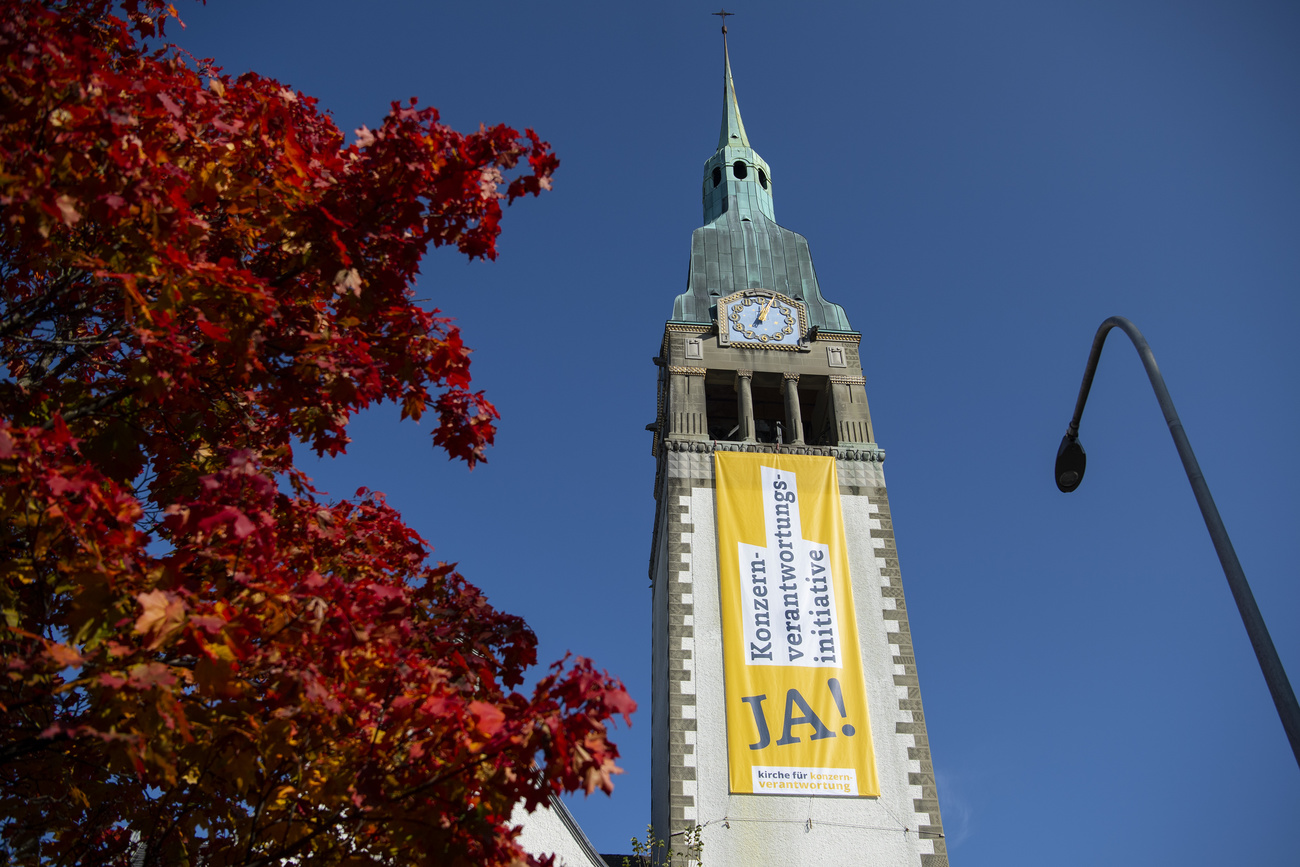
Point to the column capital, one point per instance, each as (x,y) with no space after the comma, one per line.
(748,374)
(790,377)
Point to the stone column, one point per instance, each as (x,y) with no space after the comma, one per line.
(793,419)
(746,406)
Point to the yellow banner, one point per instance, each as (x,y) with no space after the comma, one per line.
(797,721)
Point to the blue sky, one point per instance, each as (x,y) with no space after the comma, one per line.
(982,185)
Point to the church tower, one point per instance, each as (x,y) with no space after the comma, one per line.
(787,718)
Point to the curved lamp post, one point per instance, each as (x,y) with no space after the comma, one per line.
(1071,462)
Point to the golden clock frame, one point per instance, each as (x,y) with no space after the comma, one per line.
(724,338)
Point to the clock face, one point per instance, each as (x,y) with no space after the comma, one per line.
(761,319)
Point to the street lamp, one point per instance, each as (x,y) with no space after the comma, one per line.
(1071,462)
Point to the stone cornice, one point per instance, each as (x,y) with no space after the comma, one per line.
(840,336)
(689,327)
(858,452)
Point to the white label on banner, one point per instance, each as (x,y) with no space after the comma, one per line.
(787,588)
(805,781)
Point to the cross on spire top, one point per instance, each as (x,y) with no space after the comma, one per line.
(723,15)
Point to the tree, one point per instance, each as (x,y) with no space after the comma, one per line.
(204,661)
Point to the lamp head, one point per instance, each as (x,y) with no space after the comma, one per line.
(1071,461)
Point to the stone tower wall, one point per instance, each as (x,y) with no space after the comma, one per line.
(902,826)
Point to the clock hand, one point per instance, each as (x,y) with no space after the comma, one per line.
(762,314)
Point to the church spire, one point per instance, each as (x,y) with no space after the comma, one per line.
(740,246)
(736,179)
(733,128)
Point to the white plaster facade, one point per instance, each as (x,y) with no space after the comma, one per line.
(553,831)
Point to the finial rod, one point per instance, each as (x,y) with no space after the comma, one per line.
(723,15)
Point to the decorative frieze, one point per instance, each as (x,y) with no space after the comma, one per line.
(849,380)
(689,327)
(687,371)
(871,454)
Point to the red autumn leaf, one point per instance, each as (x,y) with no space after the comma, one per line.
(169,104)
(207,623)
(216,332)
(598,777)
(67,209)
(238,522)
(619,702)
(63,485)
(63,656)
(386,592)
(163,614)
(487,717)
(150,674)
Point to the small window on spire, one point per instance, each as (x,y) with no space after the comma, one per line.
(740,169)
(762,179)
(717,176)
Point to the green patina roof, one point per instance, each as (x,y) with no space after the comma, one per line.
(741,246)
